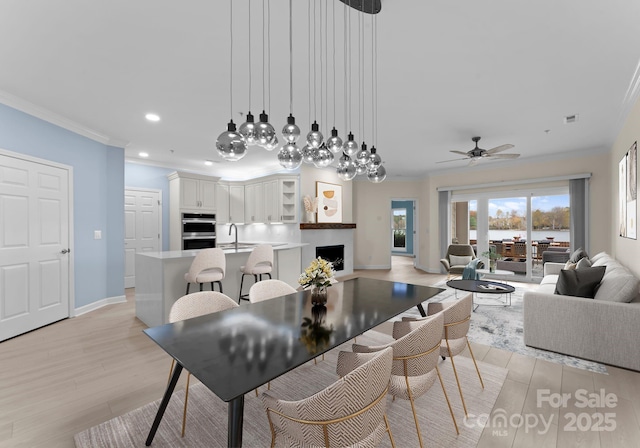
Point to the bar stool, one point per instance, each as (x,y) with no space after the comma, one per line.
(259,263)
(208,266)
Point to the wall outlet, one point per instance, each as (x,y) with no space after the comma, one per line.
(97,234)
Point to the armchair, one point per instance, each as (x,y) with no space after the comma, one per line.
(457,257)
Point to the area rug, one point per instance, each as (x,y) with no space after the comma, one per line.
(207,414)
(502,327)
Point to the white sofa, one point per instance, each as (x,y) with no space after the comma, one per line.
(603,329)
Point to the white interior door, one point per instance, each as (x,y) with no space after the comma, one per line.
(142,218)
(34,245)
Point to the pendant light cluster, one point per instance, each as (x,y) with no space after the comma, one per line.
(352,159)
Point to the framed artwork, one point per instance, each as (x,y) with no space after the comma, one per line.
(628,192)
(329,202)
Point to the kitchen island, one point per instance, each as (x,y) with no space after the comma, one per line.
(160,276)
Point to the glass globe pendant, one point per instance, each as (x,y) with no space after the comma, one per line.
(307,154)
(322,157)
(374,160)
(334,143)
(362,157)
(378,175)
(350,147)
(248,130)
(231,145)
(346,169)
(264,131)
(315,137)
(290,131)
(271,145)
(290,156)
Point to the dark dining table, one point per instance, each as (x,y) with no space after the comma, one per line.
(235,351)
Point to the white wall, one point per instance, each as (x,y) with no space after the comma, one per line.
(624,249)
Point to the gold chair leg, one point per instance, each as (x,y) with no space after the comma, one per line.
(186,400)
(173,362)
(386,422)
(413,407)
(256,391)
(448,402)
(475,364)
(269,385)
(455,372)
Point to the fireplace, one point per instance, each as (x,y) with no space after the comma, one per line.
(334,254)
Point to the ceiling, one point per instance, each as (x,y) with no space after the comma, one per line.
(509,71)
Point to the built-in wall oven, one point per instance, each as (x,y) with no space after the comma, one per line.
(198,231)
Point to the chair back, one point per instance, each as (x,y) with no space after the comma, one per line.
(417,345)
(350,412)
(520,249)
(207,260)
(457,317)
(460,250)
(261,255)
(199,304)
(268,289)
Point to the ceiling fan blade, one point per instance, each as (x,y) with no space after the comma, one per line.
(505,156)
(460,152)
(452,160)
(499,148)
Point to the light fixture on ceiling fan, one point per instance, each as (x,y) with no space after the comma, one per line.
(477,154)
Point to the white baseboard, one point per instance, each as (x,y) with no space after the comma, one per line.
(427,270)
(99,304)
(381,266)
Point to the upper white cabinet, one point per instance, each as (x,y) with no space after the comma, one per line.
(222,203)
(254,203)
(193,192)
(289,200)
(271,201)
(236,203)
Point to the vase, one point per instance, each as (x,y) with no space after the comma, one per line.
(311,217)
(492,265)
(318,294)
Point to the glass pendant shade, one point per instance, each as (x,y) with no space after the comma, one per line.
(264,131)
(307,154)
(344,161)
(378,175)
(322,157)
(290,156)
(273,144)
(350,147)
(315,137)
(360,169)
(374,160)
(231,145)
(290,131)
(334,143)
(362,157)
(346,169)
(248,130)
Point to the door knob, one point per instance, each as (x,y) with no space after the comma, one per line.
(65,251)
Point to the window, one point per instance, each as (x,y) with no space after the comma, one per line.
(399,230)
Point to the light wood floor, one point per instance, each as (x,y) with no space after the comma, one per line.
(79,372)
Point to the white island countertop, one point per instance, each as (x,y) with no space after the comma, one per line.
(248,247)
(160,276)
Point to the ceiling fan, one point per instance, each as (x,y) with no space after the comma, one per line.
(477,154)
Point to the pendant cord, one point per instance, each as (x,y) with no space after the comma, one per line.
(269,58)
(249,53)
(375,73)
(333,44)
(309,54)
(360,99)
(315,83)
(291,57)
(347,97)
(263,58)
(321,65)
(231,59)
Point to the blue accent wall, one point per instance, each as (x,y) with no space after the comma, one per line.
(145,176)
(409,206)
(98,198)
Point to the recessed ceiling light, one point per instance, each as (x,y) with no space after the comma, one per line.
(143,154)
(152,117)
(208,162)
(571,119)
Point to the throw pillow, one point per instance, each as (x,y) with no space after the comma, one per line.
(459,260)
(578,255)
(583,263)
(569,265)
(579,282)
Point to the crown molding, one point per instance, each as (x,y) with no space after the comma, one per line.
(58,120)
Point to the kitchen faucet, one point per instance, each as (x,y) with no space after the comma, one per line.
(233,226)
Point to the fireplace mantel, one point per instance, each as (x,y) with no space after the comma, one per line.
(326,225)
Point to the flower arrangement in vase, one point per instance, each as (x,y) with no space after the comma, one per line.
(310,208)
(317,276)
(493,257)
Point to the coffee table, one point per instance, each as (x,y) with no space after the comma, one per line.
(483,287)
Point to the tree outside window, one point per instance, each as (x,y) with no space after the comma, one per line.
(399,228)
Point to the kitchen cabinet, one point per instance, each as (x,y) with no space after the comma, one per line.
(236,204)
(222,203)
(271,201)
(192,192)
(254,203)
(288,198)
